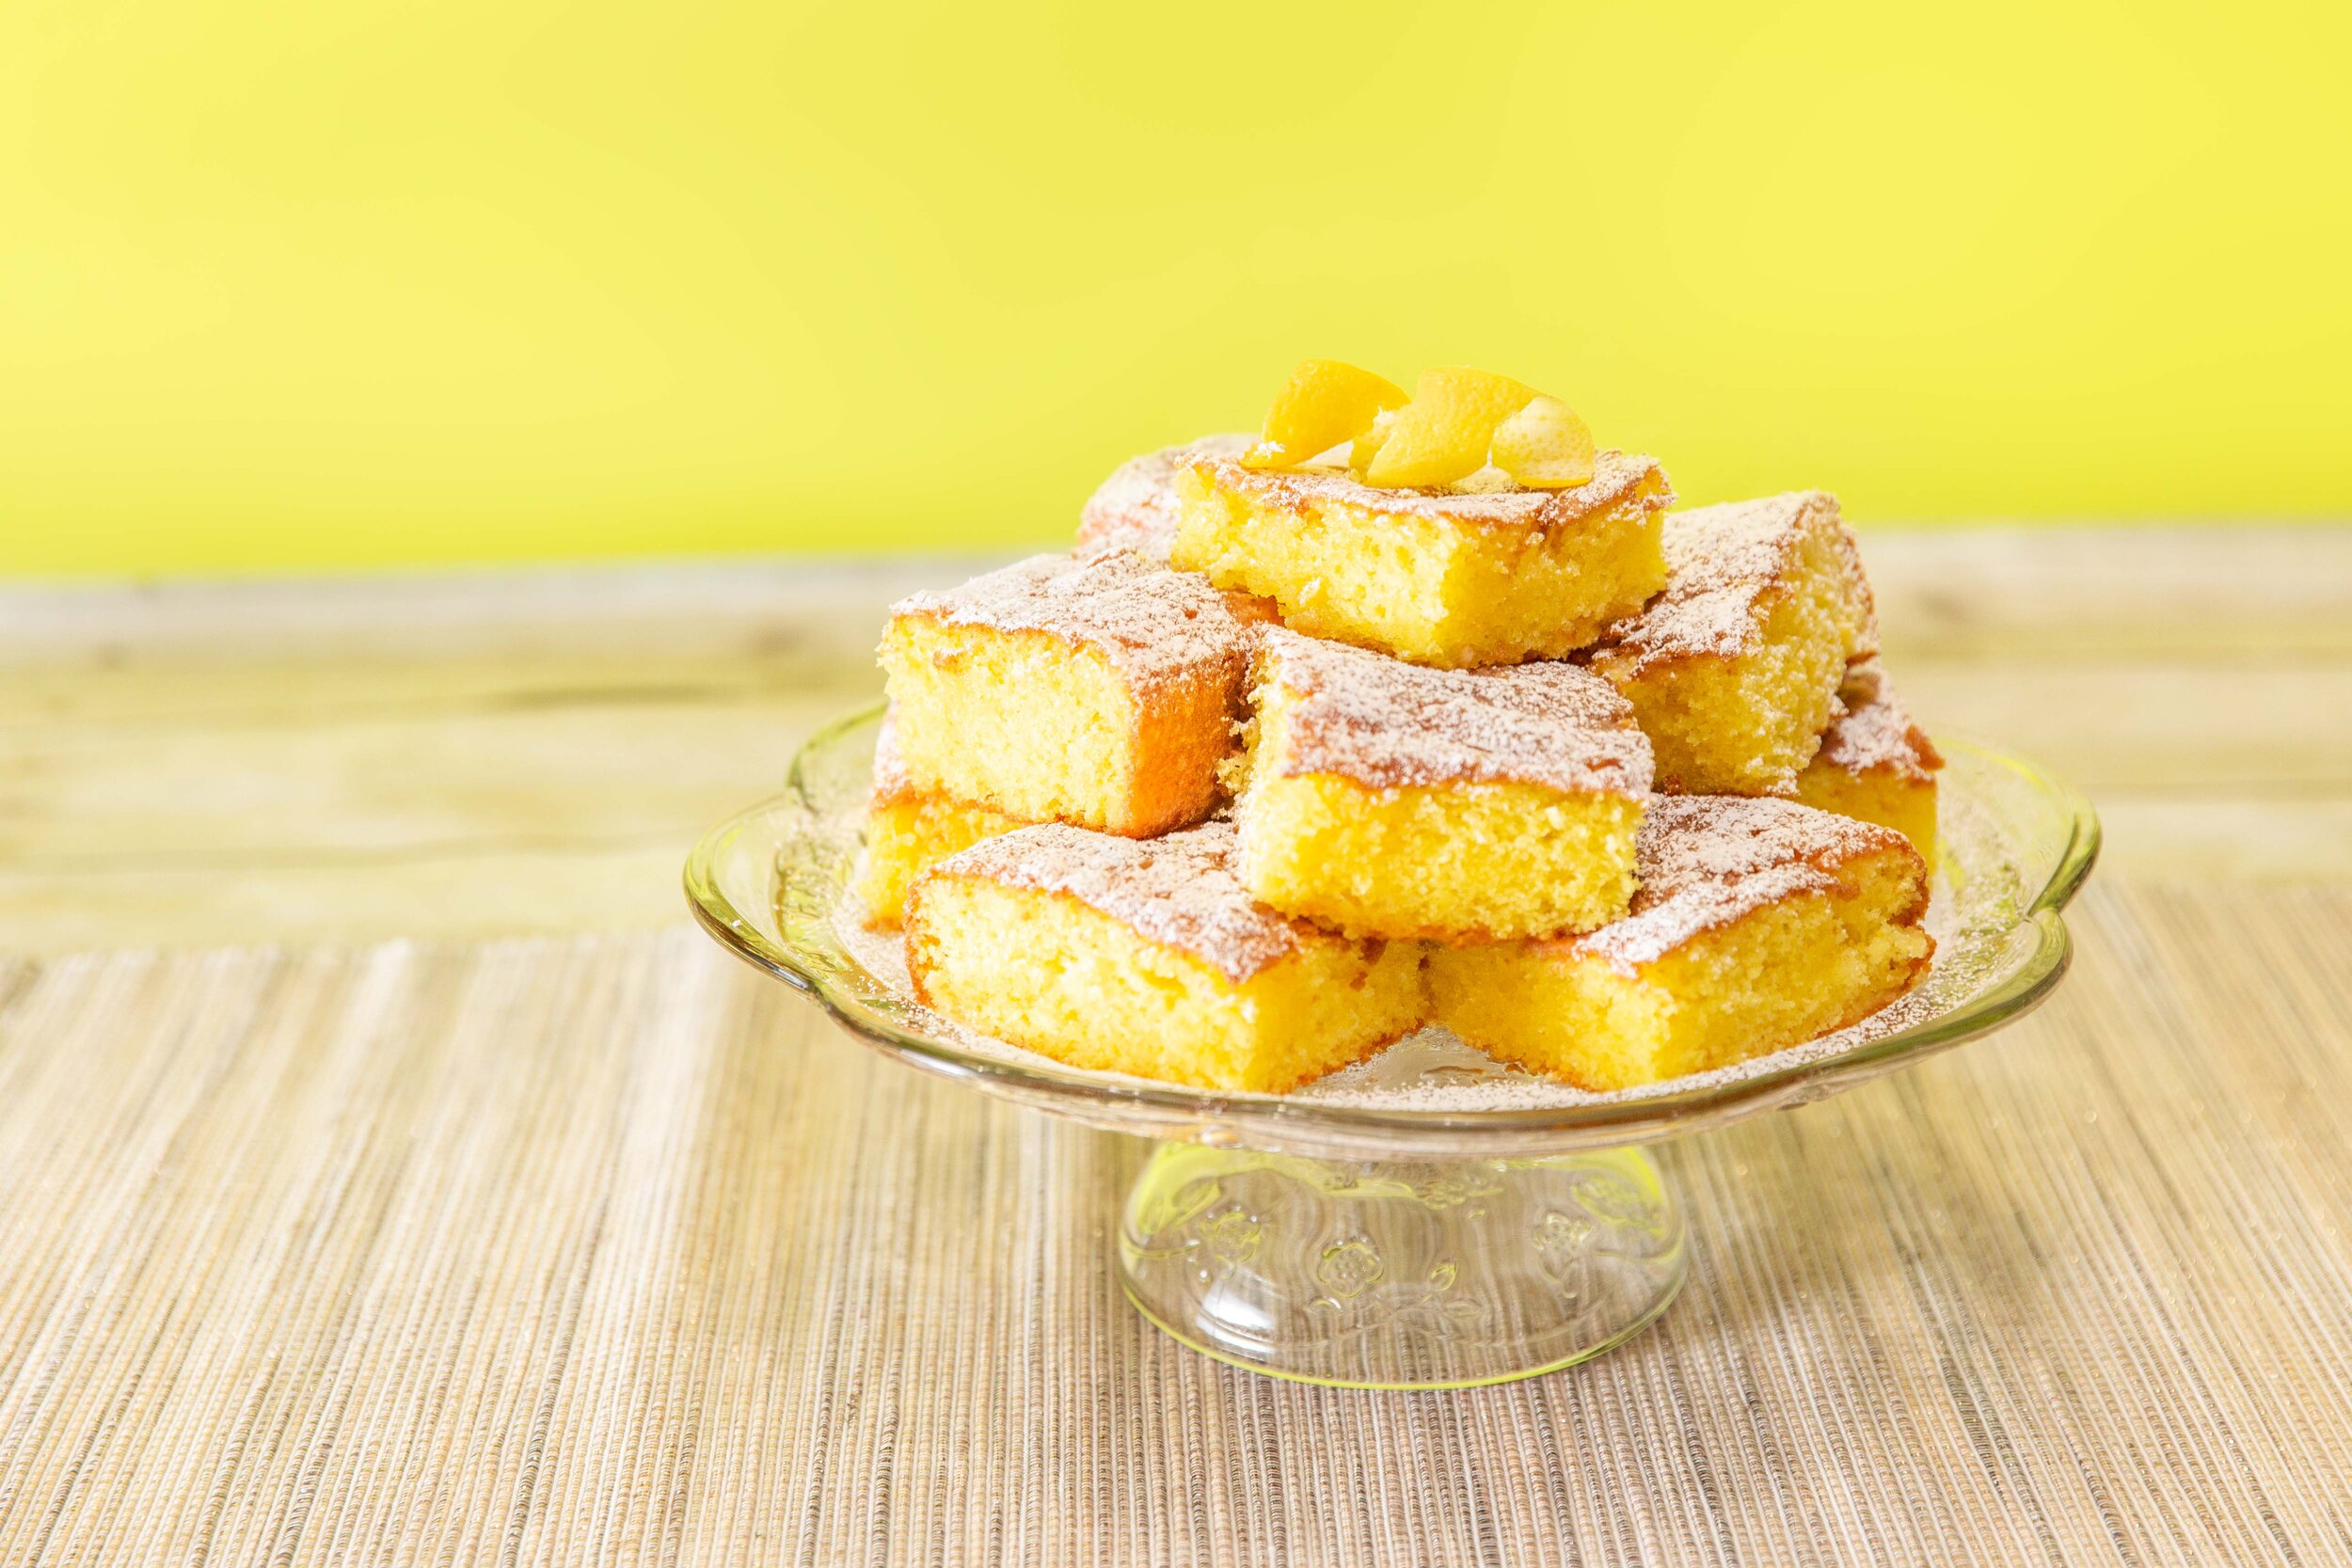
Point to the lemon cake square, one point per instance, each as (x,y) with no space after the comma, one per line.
(908,829)
(1148,957)
(1875,762)
(1758,924)
(1431,576)
(1734,669)
(1100,690)
(1136,508)
(1387,799)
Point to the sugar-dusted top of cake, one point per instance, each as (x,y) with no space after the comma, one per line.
(1135,507)
(1873,731)
(1179,890)
(1721,560)
(1703,860)
(1617,477)
(1387,724)
(1155,626)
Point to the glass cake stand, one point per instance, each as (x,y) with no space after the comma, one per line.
(1429,1219)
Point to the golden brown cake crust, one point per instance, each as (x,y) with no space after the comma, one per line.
(1380,721)
(1616,477)
(1135,507)
(1180,890)
(1156,626)
(1873,731)
(1704,860)
(1721,564)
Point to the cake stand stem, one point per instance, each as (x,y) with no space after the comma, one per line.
(1400,1274)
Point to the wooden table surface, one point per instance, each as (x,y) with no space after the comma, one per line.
(205,765)
(319,1244)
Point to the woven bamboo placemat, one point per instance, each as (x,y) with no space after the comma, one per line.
(606,1250)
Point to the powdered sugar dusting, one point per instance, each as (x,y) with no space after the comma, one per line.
(1973,919)
(1135,507)
(1703,860)
(1873,731)
(1720,562)
(1616,478)
(892,781)
(1179,890)
(1383,722)
(1154,624)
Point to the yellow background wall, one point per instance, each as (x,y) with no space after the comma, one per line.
(292,284)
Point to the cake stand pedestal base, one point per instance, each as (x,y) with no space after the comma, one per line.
(1400,1274)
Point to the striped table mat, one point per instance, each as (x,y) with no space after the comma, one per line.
(606,1250)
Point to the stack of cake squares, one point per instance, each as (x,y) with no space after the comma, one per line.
(1279,766)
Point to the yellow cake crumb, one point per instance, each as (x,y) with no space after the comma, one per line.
(907,829)
(1875,764)
(1385,800)
(1149,958)
(1759,924)
(1135,508)
(1734,669)
(904,838)
(1433,577)
(1100,690)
